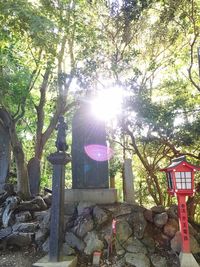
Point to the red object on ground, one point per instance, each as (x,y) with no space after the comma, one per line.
(96,258)
(114,222)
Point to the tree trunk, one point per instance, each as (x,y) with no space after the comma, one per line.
(152,180)
(191,208)
(112,182)
(22,174)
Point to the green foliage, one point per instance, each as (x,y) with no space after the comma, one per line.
(145,46)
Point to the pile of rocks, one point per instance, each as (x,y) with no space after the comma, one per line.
(144,237)
(20,222)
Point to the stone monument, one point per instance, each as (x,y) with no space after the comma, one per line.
(90,181)
(4,154)
(34,175)
(87,172)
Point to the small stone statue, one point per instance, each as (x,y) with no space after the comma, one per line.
(61,136)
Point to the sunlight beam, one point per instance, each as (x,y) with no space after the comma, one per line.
(108,103)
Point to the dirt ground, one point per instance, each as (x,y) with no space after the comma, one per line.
(19,258)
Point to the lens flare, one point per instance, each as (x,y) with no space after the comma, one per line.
(108,103)
(98,152)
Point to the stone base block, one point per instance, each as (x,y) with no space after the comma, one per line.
(68,261)
(187,260)
(97,196)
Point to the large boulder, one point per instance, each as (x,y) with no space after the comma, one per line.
(148,215)
(173,212)
(19,239)
(48,199)
(92,243)
(44,219)
(83,225)
(120,209)
(137,259)
(157,235)
(160,219)
(100,216)
(84,208)
(139,223)
(25,227)
(5,232)
(40,236)
(176,242)
(35,204)
(194,245)
(45,245)
(158,261)
(73,241)
(23,216)
(67,250)
(134,245)
(149,243)
(158,209)
(123,231)
(171,227)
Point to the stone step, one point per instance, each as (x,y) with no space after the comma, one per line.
(68,261)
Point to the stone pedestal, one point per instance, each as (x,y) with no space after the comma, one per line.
(69,261)
(97,196)
(187,260)
(58,160)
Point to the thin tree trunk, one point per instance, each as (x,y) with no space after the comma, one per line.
(153,181)
(22,173)
(191,208)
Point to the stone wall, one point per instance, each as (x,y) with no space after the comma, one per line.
(144,237)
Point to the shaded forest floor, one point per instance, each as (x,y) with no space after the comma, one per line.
(19,258)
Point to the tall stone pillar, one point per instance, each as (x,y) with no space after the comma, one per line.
(58,159)
(4,155)
(34,175)
(129,182)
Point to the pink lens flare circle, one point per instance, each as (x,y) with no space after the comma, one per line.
(98,152)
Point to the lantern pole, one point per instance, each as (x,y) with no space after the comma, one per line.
(186,257)
(183,223)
